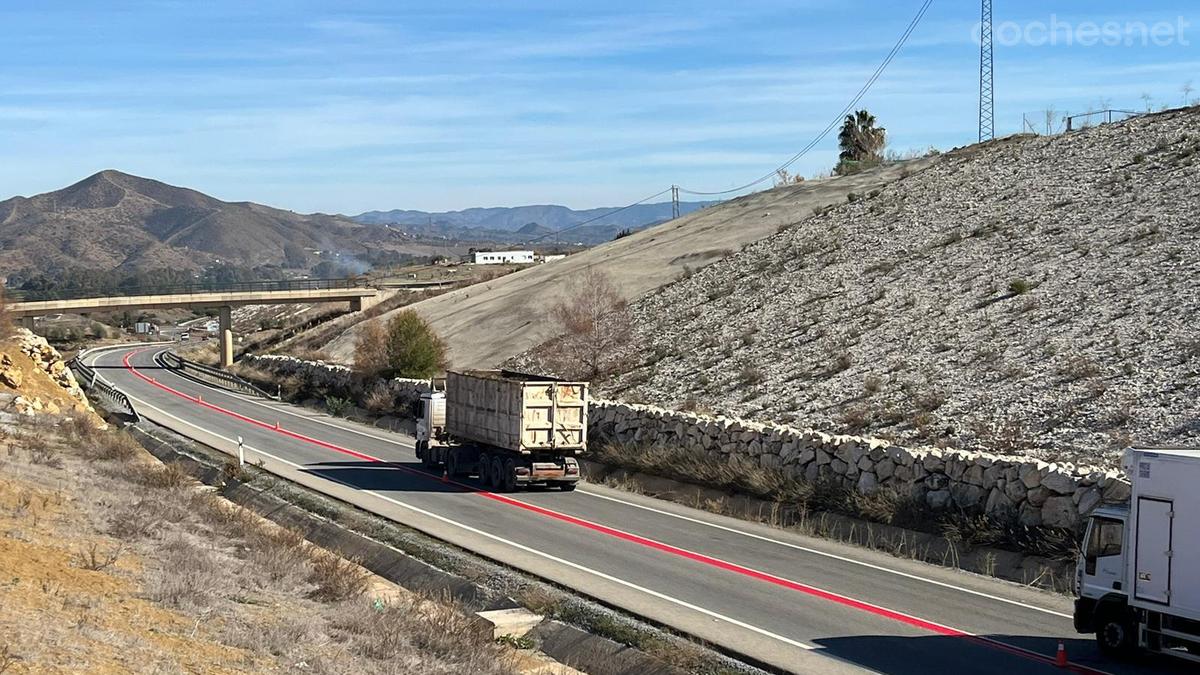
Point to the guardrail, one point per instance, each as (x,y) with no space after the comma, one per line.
(187,289)
(210,375)
(91,382)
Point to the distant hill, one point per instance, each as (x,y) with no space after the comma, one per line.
(530,221)
(113,220)
(485,324)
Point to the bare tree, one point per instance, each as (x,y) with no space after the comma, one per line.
(1187,90)
(596,327)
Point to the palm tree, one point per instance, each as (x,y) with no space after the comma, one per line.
(861,140)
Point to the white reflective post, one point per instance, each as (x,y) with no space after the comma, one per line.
(241,453)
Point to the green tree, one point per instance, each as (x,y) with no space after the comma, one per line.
(861,142)
(405,347)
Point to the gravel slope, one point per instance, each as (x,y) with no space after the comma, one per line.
(1031,295)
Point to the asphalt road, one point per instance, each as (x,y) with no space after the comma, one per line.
(796,603)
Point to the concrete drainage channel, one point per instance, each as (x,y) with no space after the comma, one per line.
(424,565)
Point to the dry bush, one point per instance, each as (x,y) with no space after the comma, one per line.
(166,477)
(596,328)
(92,558)
(398,632)
(118,445)
(370,349)
(189,576)
(337,579)
(135,521)
(80,427)
(278,553)
(40,451)
(379,399)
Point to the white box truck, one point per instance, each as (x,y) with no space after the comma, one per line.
(514,430)
(1138,578)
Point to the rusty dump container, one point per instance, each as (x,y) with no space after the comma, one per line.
(520,413)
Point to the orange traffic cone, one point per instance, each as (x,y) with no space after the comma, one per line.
(445,475)
(1060,659)
(277,426)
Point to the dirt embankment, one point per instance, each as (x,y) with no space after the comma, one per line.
(486,323)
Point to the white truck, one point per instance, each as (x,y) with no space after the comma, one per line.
(1138,578)
(513,430)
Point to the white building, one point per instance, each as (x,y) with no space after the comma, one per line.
(552,257)
(501,257)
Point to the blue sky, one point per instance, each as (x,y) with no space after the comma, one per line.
(357,105)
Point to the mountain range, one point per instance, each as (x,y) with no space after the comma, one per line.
(112,220)
(521,223)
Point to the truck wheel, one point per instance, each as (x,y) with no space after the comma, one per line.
(568,487)
(508,476)
(485,470)
(1115,634)
(452,464)
(497,469)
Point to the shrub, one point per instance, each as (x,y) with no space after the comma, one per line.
(337,579)
(750,374)
(338,407)
(1020,286)
(873,384)
(405,347)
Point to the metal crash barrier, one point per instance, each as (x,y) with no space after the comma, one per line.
(210,375)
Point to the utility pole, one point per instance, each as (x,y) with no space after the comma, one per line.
(987,103)
(674,202)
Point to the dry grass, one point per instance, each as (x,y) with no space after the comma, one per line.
(138,569)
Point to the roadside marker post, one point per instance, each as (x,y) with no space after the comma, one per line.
(241,453)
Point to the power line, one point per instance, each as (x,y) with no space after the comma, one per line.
(599,217)
(837,120)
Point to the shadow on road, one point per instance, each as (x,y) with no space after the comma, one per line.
(989,654)
(392,476)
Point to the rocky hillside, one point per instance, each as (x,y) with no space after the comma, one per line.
(114,220)
(34,380)
(487,323)
(1032,294)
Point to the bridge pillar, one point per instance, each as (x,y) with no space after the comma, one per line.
(360,303)
(27,322)
(225,315)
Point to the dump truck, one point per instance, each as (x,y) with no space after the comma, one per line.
(1138,577)
(512,430)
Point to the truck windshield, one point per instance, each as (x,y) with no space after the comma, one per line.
(1107,537)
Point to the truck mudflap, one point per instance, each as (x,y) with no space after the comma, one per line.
(1085,615)
(559,472)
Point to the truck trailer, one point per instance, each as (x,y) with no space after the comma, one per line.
(1138,578)
(510,429)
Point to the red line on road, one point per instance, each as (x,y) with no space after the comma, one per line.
(830,596)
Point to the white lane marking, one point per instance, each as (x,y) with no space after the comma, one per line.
(284,410)
(568,563)
(833,556)
(521,547)
(878,568)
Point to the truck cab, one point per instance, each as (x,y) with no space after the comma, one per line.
(1137,580)
(1102,606)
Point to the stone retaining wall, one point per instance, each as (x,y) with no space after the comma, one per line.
(1036,492)
(338,379)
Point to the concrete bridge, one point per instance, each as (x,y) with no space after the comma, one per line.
(239,295)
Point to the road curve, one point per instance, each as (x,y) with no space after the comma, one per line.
(795,603)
